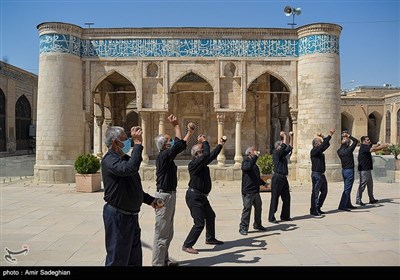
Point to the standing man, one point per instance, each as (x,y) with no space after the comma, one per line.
(123,194)
(167,181)
(365,165)
(279,182)
(196,195)
(345,154)
(319,183)
(251,182)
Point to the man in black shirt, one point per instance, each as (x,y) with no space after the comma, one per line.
(196,195)
(319,183)
(167,181)
(345,154)
(123,194)
(365,165)
(279,182)
(251,182)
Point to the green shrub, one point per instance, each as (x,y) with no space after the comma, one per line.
(395,150)
(87,164)
(265,164)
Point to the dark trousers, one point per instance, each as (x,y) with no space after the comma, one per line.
(202,214)
(319,191)
(250,200)
(122,234)
(280,187)
(348,180)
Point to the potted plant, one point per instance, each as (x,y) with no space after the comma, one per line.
(266,166)
(87,179)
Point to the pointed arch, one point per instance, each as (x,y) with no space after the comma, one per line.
(23,118)
(152,70)
(347,121)
(108,74)
(374,126)
(188,74)
(272,74)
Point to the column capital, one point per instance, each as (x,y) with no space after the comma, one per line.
(238,117)
(220,117)
(99,120)
(293,114)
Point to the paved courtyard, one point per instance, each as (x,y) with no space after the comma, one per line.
(62,227)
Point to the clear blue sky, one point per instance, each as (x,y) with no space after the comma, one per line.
(369,43)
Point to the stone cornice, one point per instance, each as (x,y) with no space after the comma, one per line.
(190,32)
(319,28)
(59,27)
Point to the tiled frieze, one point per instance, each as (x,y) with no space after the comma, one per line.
(88,48)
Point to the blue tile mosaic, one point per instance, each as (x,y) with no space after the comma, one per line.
(188,47)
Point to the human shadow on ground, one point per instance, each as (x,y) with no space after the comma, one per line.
(254,243)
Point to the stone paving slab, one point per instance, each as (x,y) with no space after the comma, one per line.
(65,228)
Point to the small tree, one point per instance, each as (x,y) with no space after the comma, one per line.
(265,164)
(87,164)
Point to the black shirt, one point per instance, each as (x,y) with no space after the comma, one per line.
(318,157)
(167,179)
(365,158)
(345,154)
(251,180)
(280,159)
(122,183)
(199,172)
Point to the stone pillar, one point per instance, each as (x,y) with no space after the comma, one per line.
(221,157)
(238,139)
(161,123)
(100,122)
(144,121)
(318,95)
(60,114)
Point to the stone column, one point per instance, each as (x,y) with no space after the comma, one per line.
(318,95)
(238,139)
(293,114)
(221,157)
(99,122)
(144,117)
(161,123)
(60,115)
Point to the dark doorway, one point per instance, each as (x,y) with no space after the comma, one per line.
(22,122)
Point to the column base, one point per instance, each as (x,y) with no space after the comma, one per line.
(54,174)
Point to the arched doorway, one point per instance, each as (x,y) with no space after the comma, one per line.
(374,127)
(114,101)
(2,121)
(347,122)
(22,122)
(191,100)
(267,112)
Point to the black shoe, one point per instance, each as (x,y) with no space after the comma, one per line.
(287,219)
(344,209)
(320,211)
(316,214)
(273,221)
(171,263)
(260,228)
(360,203)
(373,201)
(214,241)
(351,207)
(242,231)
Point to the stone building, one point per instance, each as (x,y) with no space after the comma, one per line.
(18,96)
(246,83)
(372,111)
